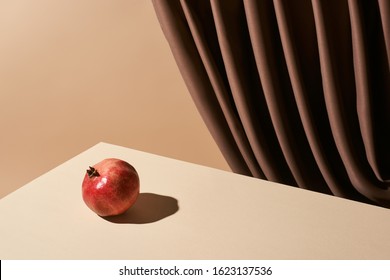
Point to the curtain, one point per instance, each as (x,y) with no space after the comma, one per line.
(295,92)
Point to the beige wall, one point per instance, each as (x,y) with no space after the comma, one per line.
(74,73)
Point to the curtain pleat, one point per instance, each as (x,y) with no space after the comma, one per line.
(296,92)
(222,92)
(183,47)
(301,52)
(383,148)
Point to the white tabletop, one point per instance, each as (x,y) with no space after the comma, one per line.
(186,211)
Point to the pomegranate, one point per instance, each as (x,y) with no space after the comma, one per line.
(110,187)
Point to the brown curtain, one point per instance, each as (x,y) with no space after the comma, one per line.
(296,92)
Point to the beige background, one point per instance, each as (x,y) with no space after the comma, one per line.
(74,73)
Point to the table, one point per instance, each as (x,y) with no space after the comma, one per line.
(186,211)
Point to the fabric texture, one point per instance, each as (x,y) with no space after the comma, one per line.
(296,92)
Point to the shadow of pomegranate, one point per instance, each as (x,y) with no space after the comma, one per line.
(148,208)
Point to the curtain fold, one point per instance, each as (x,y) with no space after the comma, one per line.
(296,92)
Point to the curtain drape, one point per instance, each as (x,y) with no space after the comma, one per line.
(296,92)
